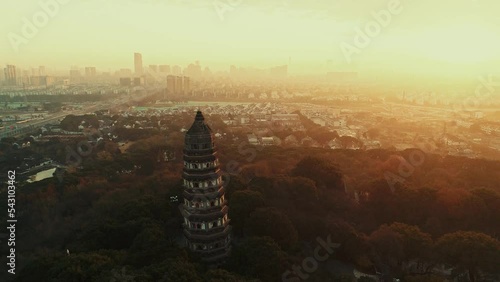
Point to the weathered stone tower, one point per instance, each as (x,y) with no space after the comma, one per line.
(206,224)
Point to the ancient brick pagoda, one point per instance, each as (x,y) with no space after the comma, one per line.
(206,224)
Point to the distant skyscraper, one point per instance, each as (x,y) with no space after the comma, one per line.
(138,81)
(153,68)
(42,81)
(165,68)
(124,72)
(178,84)
(35,72)
(138,63)
(26,78)
(176,70)
(90,71)
(75,76)
(125,81)
(74,73)
(171,80)
(10,75)
(193,71)
(185,85)
(41,70)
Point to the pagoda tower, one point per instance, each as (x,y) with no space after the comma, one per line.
(206,224)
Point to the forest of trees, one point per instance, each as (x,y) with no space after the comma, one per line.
(124,227)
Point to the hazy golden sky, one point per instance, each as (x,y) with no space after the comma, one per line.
(456,37)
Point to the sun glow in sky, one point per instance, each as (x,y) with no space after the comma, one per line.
(458,37)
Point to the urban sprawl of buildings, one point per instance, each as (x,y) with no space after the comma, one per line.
(268,110)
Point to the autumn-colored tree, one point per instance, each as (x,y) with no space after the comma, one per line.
(301,192)
(221,275)
(259,257)
(470,252)
(353,244)
(321,171)
(416,245)
(242,204)
(173,270)
(273,223)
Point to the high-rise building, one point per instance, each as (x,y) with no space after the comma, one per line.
(165,68)
(138,81)
(193,71)
(171,87)
(41,71)
(206,224)
(26,78)
(42,81)
(138,63)
(10,75)
(153,68)
(124,72)
(186,85)
(176,70)
(178,84)
(125,81)
(74,75)
(90,71)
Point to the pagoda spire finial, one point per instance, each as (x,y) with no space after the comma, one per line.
(199,116)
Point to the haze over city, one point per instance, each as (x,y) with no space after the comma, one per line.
(426,38)
(250,140)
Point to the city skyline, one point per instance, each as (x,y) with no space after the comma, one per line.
(416,38)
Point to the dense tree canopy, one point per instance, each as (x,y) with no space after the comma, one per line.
(470,251)
(115,215)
